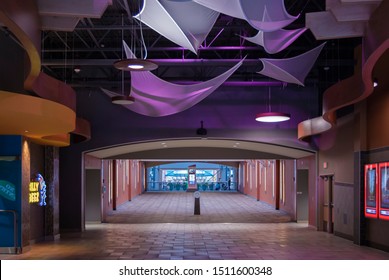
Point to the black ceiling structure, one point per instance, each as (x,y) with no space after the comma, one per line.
(84,58)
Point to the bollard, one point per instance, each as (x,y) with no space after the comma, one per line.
(197,203)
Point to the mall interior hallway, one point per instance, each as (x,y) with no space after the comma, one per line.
(230,226)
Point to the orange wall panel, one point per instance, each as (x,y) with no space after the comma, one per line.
(267,182)
(251,179)
(288,203)
(122,194)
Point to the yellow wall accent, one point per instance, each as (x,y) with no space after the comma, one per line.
(39,119)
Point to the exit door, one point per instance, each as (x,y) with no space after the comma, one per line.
(93,195)
(328,205)
(302,195)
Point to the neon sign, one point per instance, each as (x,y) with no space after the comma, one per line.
(37,189)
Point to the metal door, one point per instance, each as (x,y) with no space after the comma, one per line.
(302,195)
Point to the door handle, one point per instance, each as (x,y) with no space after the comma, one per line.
(299,192)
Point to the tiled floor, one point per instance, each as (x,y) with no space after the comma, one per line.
(231,226)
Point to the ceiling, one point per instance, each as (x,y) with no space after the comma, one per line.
(96,43)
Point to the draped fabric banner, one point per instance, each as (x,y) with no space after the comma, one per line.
(265,15)
(185,23)
(155,97)
(275,41)
(291,70)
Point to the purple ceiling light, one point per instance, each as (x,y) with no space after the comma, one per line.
(272,117)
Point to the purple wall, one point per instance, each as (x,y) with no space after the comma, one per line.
(227,113)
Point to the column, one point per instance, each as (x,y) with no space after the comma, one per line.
(52,192)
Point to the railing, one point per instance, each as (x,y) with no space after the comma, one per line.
(14,213)
(201,186)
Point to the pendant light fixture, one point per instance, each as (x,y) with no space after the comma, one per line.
(124,99)
(133,63)
(272,117)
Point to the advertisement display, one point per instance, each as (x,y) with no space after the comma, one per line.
(192,185)
(10,193)
(383,191)
(371,194)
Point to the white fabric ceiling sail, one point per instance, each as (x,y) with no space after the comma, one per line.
(291,70)
(155,97)
(265,15)
(184,22)
(276,41)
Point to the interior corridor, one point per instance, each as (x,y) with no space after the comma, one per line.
(231,226)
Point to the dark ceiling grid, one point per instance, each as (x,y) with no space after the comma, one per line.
(96,44)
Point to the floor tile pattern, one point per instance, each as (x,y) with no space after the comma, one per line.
(231,226)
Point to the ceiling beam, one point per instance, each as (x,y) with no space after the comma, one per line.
(185,62)
(161,62)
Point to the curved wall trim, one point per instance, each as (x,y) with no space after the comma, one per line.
(39,119)
(23,20)
(82,132)
(359,86)
(55,90)
(239,149)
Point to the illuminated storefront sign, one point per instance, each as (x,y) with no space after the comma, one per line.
(7,190)
(37,189)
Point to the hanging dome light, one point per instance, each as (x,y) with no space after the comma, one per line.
(132,63)
(272,117)
(123,100)
(135,64)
